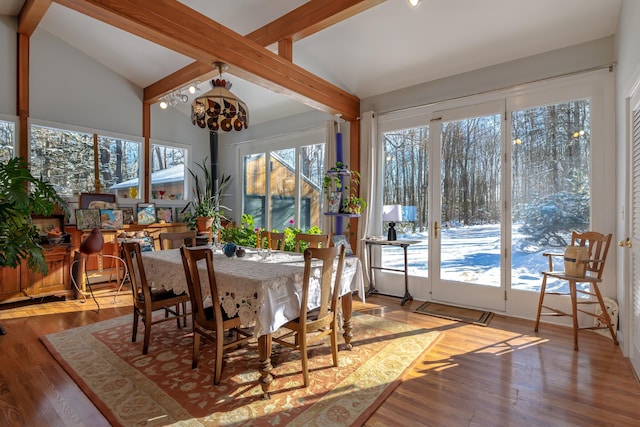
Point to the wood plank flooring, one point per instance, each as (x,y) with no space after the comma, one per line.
(501,375)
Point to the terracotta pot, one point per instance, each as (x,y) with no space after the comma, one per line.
(203,224)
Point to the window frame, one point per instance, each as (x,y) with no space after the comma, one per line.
(187,178)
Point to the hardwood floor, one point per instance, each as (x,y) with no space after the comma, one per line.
(501,375)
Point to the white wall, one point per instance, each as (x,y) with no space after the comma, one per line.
(8,47)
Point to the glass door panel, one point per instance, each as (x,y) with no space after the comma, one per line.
(469,232)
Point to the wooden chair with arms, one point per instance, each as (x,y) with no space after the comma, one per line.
(597,245)
(312,241)
(315,324)
(147,300)
(209,319)
(177,239)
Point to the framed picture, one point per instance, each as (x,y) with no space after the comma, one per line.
(146,213)
(44,224)
(341,239)
(181,216)
(334,201)
(111,219)
(87,219)
(72,212)
(97,201)
(164,214)
(127,215)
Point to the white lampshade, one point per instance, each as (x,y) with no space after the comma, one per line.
(392,213)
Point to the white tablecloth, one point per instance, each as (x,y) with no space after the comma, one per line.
(263,292)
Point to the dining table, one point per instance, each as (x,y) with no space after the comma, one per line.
(263,288)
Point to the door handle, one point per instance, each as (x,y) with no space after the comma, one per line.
(436,227)
(625,243)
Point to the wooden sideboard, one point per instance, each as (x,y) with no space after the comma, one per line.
(22,283)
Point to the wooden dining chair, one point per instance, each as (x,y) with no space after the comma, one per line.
(274,240)
(147,300)
(210,322)
(312,325)
(176,239)
(597,245)
(304,241)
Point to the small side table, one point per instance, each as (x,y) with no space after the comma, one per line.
(404,244)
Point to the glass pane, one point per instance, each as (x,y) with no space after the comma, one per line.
(63,158)
(551,189)
(167,172)
(282,168)
(406,183)
(119,163)
(255,189)
(312,170)
(7,140)
(470,194)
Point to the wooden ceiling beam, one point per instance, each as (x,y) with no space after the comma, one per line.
(308,19)
(177,27)
(31,14)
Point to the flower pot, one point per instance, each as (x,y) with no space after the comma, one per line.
(204,224)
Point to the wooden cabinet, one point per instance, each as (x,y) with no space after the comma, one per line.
(21,282)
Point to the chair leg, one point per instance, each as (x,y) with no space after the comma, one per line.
(303,357)
(136,320)
(147,334)
(196,349)
(543,288)
(574,311)
(219,351)
(605,314)
(178,314)
(184,312)
(334,344)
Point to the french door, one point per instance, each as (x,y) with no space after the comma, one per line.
(467,244)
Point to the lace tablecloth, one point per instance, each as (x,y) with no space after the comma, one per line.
(263,292)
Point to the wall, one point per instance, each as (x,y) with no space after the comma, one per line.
(8,47)
(549,64)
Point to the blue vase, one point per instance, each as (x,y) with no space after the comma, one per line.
(229,249)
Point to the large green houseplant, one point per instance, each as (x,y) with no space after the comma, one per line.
(205,207)
(23,195)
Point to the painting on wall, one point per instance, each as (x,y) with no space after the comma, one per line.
(87,219)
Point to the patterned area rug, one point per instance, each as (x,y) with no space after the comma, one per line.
(468,315)
(160,388)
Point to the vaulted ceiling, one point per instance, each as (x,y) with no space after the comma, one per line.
(288,56)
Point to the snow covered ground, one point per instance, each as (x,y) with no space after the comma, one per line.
(471,254)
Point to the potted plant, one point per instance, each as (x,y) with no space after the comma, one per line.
(334,183)
(204,209)
(21,195)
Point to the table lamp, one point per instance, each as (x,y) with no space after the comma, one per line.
(391,214)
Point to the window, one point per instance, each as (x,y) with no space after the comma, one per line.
(285,184)
(7,140)
(66,159)
(168,172)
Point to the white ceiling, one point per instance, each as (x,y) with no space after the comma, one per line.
(385,48)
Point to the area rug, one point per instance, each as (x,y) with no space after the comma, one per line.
(468,315)
(160,388)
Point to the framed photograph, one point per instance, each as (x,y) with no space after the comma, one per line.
(97,201)
(111,219)
(87,219)
(341,239)
(44,224)
(164,214)
(334,201)
(127,215)
(146,213)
